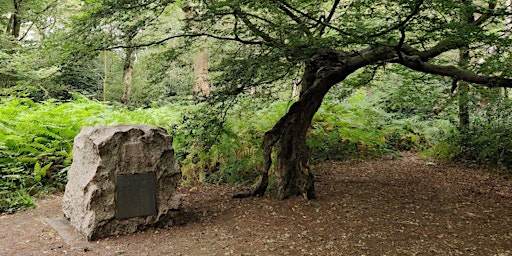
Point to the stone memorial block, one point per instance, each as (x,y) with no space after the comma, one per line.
(123,179)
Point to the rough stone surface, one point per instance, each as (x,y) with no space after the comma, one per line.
(100,155)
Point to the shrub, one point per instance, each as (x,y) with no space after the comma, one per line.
(220,148)
(488,139)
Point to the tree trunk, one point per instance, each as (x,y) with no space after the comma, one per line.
(322,71)
(104,76)
(292,170)
(14,25)
(467,17)
(463,94)
(202,76)
(128,75)
(463,91)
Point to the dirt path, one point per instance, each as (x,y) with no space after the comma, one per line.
(374,207)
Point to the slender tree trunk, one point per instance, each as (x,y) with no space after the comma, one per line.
(128,75)
(463,91)
(104,76)
(14,26)
(463,95)
(467,17)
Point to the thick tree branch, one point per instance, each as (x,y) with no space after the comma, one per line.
(415,63)
(190,35)
(436,50)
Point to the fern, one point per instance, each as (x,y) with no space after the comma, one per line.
(41,172)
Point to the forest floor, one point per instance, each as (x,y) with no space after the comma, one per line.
(407,206)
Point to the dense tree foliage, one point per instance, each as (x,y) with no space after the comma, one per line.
(27,34)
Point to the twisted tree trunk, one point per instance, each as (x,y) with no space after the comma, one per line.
(288,136)
(293,173)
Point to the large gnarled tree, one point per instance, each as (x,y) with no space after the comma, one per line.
(331,40)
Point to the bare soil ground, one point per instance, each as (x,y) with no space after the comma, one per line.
(371,207)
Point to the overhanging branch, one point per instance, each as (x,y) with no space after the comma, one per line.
(449,43)
(415,63)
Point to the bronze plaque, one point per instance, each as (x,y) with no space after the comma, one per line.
(135,195)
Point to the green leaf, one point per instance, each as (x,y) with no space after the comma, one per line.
(40,172)
(37,172)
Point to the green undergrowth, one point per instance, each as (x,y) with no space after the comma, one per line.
(341,130)
(356,128)
(486,141)
(211,147)
(231,154)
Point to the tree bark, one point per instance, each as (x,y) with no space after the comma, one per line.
(128,75)
(293,173)
(202,76)
(104,76)
(292,169)
(466,17)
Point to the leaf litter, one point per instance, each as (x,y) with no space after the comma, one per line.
(404,206)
